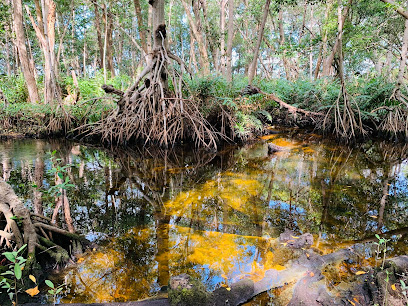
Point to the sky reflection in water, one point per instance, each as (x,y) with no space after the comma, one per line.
(213,216)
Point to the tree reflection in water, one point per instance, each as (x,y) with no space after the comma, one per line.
(214,216)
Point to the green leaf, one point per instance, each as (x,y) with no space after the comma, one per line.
(8,273)
(51,291)
(49,283)
(60,175)
(17,271)
(10,256)
(22,248)
(11,295)
(58,290)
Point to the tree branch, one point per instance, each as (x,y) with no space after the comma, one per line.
(397,8)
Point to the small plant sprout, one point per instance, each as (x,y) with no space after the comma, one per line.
(15,272)
(381,248)
(54,291)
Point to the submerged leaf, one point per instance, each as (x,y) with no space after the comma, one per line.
(33,291)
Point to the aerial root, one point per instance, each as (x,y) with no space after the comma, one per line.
(151,113)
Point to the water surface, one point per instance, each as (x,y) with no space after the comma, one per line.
(156,214)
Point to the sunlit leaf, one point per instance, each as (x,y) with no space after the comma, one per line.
(224,276)
(393,287)
(311,274)
(49,283)
(294,237)
(352,303)
(33,291)
(32,277)
(360,272)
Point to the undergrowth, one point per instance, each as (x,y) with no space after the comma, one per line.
(221,102)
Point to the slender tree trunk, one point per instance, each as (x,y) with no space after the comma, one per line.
(252,68)
(323,47)
(328,62)
(205,65)
(222,36)
(282,45)
(97,23)
(108,48)
(210,40)
(403,60)
(22,52)
(230,39)
(141,27)
(46,39)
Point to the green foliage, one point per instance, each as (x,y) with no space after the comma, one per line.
(54,291)
(197,295)
(14,88)
(14,273)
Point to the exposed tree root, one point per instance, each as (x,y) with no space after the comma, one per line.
(152,113)
(396,119)
(343,118)
(21,227)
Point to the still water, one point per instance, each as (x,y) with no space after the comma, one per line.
(157,214)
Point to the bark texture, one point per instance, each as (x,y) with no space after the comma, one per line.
(22,51)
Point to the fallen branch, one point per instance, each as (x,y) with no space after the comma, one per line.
(291,109)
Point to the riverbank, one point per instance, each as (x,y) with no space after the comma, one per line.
(234,111)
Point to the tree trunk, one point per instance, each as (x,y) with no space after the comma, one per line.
(403,61)
(210,40)
(282,45)
(108,48)
(323,48)
(205,65)
(22,52)
(141,28)
(252,68)
(97,21)
(46,39)
(222,36)
(328,62)
(230,39)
